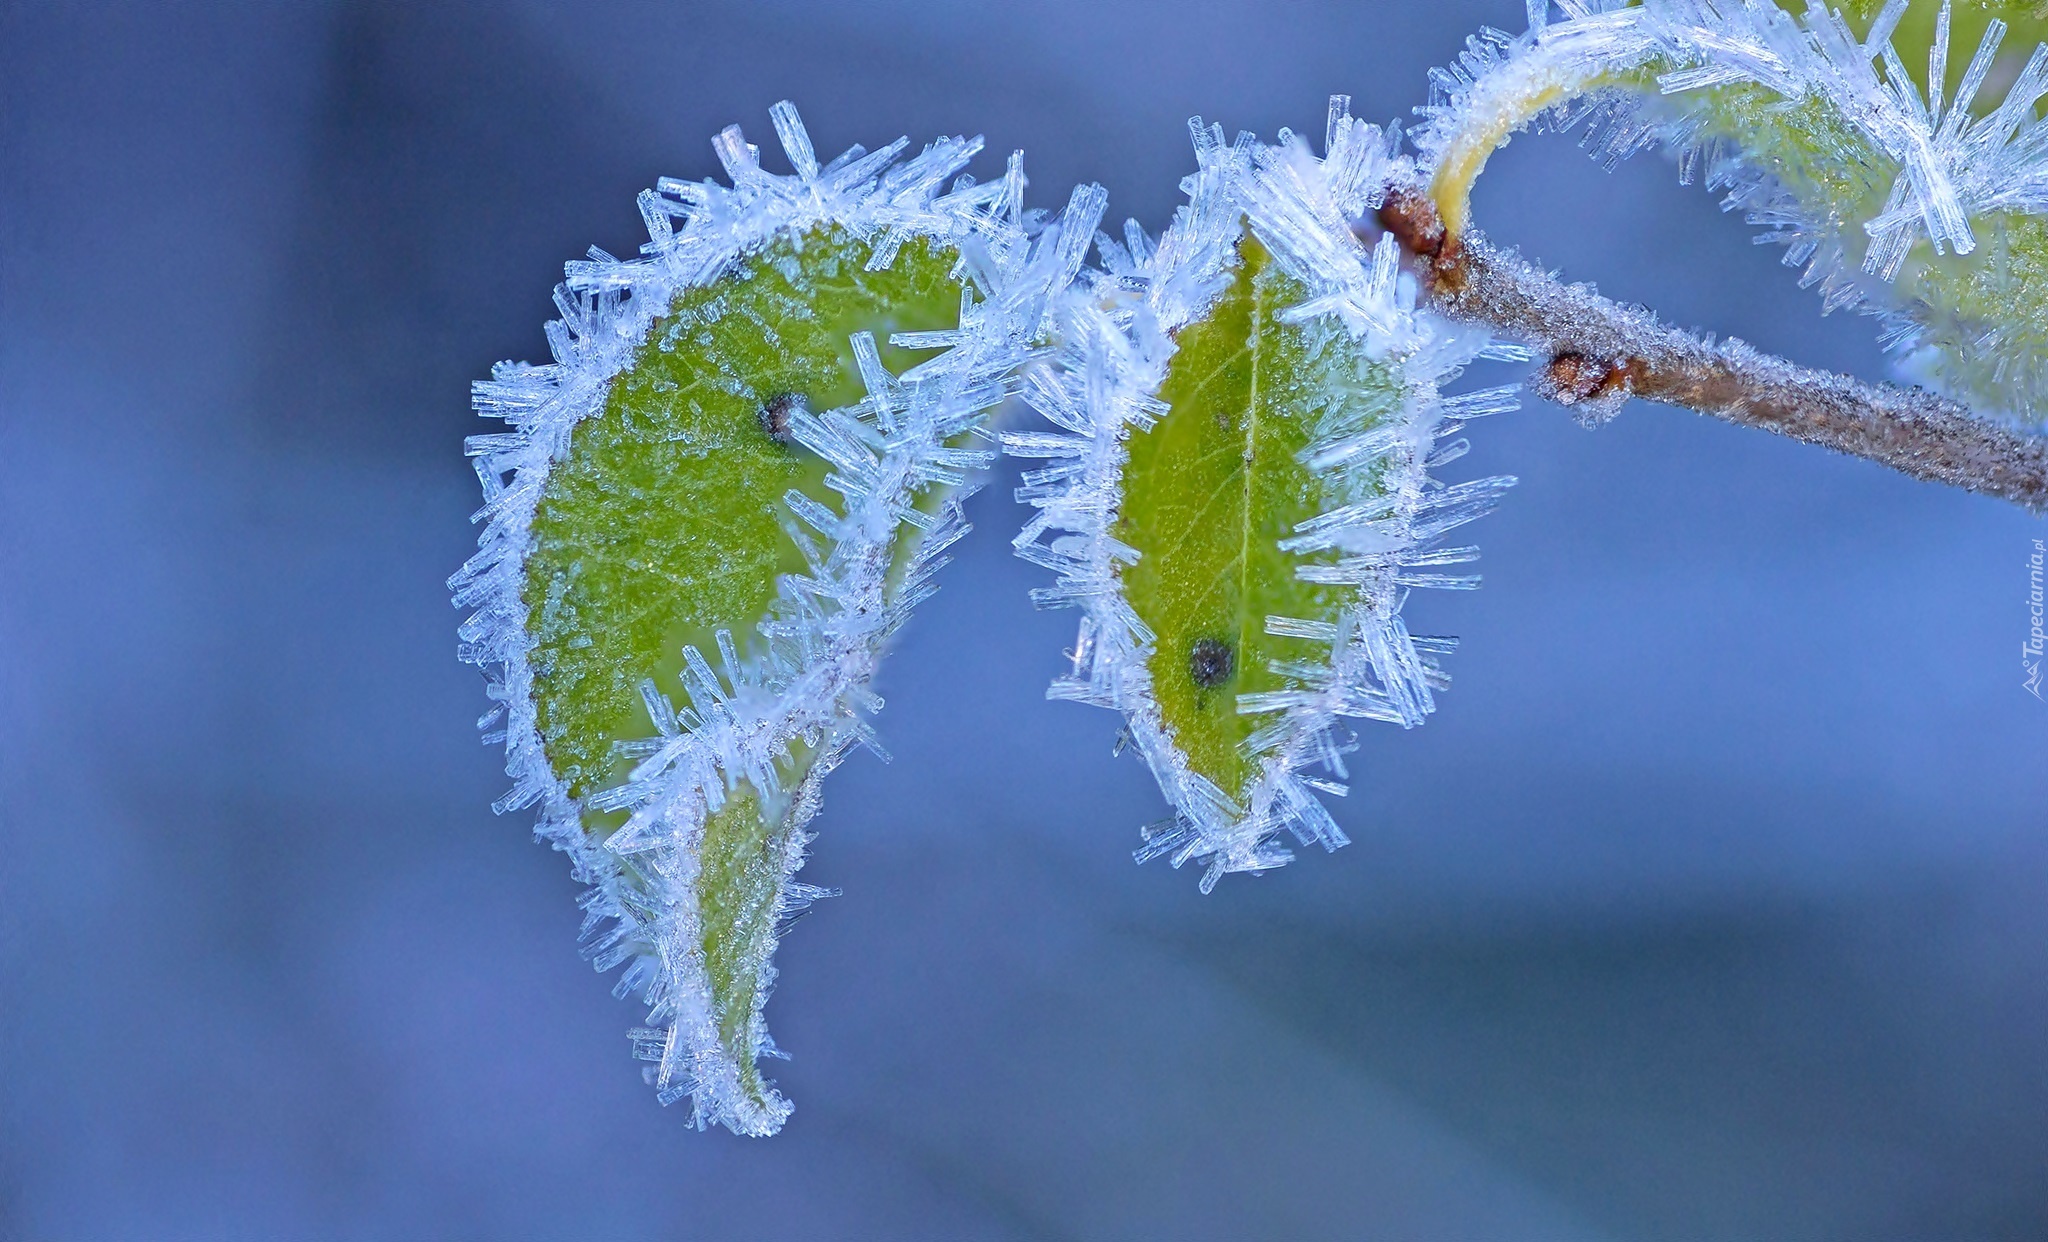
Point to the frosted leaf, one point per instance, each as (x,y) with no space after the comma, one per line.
(713,509)
(1889,165)
(1237,495)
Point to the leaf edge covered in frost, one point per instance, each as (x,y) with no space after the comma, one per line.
(827,629)
(1116,330)
(1953,170)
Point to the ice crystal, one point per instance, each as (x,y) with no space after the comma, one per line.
(1909,202)
(690,856)
(1370,437)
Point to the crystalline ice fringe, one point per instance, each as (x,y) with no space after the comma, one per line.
(827,629)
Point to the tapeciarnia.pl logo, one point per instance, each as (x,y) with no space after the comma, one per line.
(2030,651)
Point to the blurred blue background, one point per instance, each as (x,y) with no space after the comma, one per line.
(1711,905)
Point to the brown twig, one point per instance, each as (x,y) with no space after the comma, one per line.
(1601,353)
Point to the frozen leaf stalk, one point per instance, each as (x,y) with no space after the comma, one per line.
(712,510)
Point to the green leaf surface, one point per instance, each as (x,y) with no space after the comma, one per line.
(1211,490)
(2026,22)
(664,521)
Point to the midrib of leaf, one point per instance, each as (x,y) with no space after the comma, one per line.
(1245,644)
(739,887)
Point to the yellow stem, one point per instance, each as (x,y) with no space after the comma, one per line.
(1500,103)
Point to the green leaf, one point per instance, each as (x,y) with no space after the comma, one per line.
(1211,490)
(710,512)
(1980,320)
(664,521)
(1811,150)
(663,524)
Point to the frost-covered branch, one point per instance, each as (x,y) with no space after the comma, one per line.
(1601,353)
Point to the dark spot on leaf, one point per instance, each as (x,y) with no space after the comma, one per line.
(776,413)
(1210,662)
